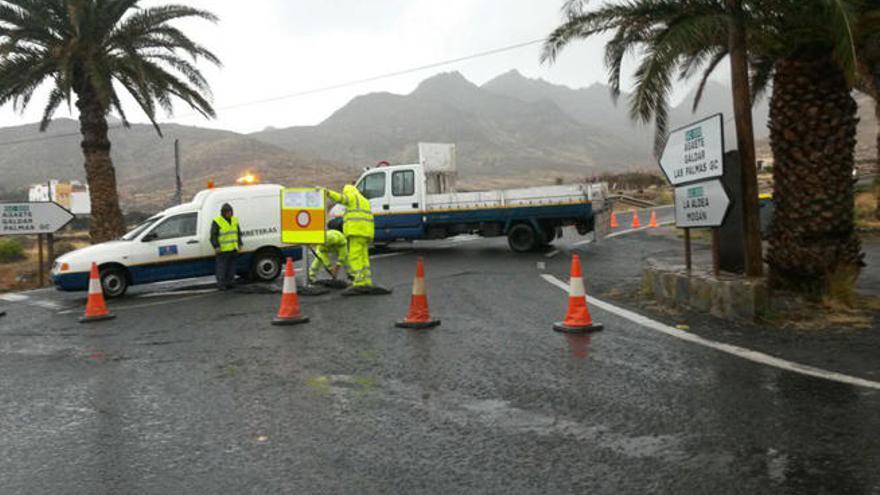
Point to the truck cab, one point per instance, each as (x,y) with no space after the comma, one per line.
(397,199)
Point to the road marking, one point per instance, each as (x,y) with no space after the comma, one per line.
(553,253)
(742,352)
(630,231)
(389,255)
(145,305)
(184,292)
(13,297)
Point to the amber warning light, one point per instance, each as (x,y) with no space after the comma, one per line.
(247,179)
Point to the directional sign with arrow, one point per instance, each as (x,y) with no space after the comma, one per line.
(703,204)
(695,152)
(32,218)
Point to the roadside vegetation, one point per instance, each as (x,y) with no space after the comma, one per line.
(87,49)
(812,53)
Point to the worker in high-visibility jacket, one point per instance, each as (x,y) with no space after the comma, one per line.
(359,230)
(336,246)
(226,239)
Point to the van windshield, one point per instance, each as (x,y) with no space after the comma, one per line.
(133,233)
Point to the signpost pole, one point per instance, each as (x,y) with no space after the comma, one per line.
(50,248)
(687,249)
(716,252)
(40,259)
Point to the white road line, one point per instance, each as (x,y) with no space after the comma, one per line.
(742,352)
(630,231)
(13,297)
(145,305)
(389,255)
(553,253)
(184,292)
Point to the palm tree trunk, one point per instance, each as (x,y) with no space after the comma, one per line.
(812,133)
(106,221)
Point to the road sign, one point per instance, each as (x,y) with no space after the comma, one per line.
(32,218)
(303,216)
(703,204)
(695,152)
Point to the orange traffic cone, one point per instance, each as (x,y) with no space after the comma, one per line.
(578,319)
(636,224)
(614,223)
(289,313)
(653,223)
(418,316)
(96,308)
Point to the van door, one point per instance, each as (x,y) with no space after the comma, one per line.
(404,202)
(170,250)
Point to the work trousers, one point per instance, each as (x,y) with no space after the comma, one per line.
(359,261)
(322,259)
(226,270)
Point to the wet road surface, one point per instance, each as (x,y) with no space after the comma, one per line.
(198,393)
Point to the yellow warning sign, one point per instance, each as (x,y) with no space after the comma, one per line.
(303,216)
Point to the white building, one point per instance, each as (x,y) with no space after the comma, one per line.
(73,195)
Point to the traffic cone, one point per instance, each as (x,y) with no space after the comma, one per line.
(578,319)
(614,223)
(653,223)
(96,308)
(636,224)
(418,316)
(289,313)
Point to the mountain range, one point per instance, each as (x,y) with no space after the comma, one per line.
(509,130)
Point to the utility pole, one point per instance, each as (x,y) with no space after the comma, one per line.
(745,137)
(178,197)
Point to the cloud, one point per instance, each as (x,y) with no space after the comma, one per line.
(279,47)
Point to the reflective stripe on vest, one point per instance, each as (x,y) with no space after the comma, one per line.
(228,234)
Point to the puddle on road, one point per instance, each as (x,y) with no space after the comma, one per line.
(494,414)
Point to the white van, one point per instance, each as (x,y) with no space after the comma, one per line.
(175,244)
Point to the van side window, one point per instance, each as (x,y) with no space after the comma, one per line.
(373,185)
(403,183)
(176,226)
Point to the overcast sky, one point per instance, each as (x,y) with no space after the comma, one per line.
(273,48)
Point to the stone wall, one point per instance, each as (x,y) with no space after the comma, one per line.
(727,296)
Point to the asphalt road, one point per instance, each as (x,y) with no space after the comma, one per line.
(195,392)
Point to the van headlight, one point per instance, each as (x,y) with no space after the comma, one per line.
(59,267)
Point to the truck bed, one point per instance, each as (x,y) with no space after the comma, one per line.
(508,198)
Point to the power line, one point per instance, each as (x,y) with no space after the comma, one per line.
(322,89)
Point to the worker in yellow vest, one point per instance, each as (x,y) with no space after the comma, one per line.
(358,229)
(336,246)
(226,239)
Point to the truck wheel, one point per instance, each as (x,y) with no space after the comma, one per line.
(266,266)
(522,238)
(114,282)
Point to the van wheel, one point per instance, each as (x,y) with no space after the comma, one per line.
(114,282)
(266,266)
(522,238)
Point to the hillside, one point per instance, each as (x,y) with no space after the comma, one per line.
(495,134)
(145,162)
(593,106)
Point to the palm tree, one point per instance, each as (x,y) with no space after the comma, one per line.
(92,48)
(806,48)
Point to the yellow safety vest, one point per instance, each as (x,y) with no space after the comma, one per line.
(358,217)
(228,235)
